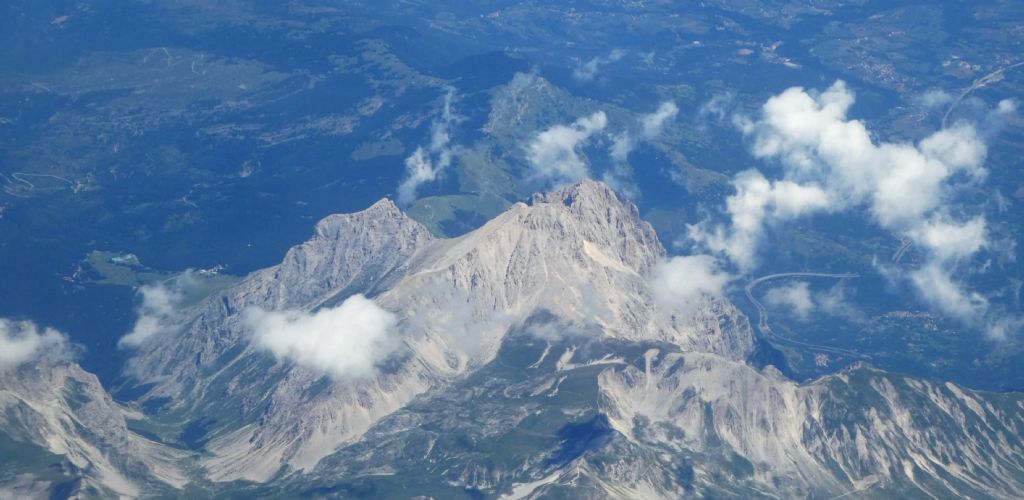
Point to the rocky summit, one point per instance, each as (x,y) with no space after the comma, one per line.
(409,249)
(525,359)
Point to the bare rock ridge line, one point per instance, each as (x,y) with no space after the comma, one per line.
(859,430)
(65,412)
(538,328)
(580,253)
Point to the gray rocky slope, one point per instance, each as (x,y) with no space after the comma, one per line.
(534,362)
(580,254)
(62,435)
(591,417)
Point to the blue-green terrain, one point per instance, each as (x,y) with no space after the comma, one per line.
(164,163)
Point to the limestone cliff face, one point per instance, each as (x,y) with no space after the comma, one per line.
(532,362)
(580,253)
(272,413)
(358,252)
(599,417)
(65,412)
(860,431)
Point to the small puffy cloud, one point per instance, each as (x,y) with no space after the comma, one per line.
(651,126)
(831,163)
(647,58)
(427,164)
(989,120)
(1002,329)
(802,301)
(654,123)
(950,241)
(621,147)
(347,341)
(935,284)
(997,118)
(550,331)
(554,154)
(618,176)
(553,330)
(795,296)
(589,70)
(934,98)
(24,341)
(682,283)
(756,201)
(158,312)
(1006,107)
(718,106)
(901,183)
(835,302)
(794,123)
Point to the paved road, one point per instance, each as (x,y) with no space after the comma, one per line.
(762,315)
(994,76)
(904,246)
(21,177)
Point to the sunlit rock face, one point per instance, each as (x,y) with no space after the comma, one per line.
(580,253)
(530,358)
(54,410)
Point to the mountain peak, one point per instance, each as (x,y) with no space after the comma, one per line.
(580,253)
(587,192)
(384,205)
(382,211)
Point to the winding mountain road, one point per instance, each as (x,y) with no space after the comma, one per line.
(992,77)
(21,177)
(762,314)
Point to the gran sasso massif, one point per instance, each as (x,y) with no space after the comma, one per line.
(529,358)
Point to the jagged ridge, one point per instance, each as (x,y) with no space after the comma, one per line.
(56,405)
(580,253)
(540,321)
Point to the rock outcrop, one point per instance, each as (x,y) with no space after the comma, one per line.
(580,253)
(532,361)
(860,431)
(57,412)
(591,417)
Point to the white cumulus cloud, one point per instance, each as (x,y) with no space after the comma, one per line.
(756,201)
(683,283)
(554,154)
(347,341)
(158,312)
(934,98)
(902,183)
(936,285)
(949,241)
(553,330)
(651,125)
(832,163)
(717,107)
(801,301)
(654,123)
(794,296)
(587,71)
(24,341)
(427,164)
